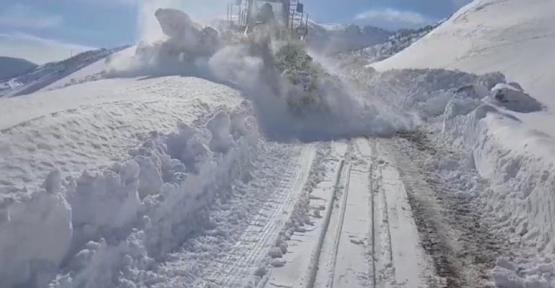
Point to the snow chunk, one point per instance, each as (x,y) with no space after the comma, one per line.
(513,98)
(220,126)
(35,234)
(102,202)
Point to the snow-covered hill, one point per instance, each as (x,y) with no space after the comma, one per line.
(511,36)
(330,39)
(395,44)
(11,67)
(42,76)
(335,38)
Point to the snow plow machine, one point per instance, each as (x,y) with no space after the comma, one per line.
(273,30)
(248,21)
(285,16)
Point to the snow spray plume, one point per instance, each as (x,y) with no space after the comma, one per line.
(149,28)
(329,109)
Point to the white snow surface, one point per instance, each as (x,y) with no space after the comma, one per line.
(511,36)
(99,189)
(515,162)
(512,145)
(100,185)
(90,127)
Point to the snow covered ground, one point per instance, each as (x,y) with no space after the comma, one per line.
(512,147)
(132,171)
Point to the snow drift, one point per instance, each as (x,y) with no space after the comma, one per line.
(518,164)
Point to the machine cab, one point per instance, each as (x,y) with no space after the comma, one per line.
(243,15)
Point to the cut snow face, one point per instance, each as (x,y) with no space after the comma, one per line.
(128,214)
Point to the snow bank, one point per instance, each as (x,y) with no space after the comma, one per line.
(425,93)
(35,234)
(88,126)
(512,150)
(118,220)
(519,166)
(512,97)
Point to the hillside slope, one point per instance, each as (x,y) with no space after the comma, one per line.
(10,67)
(515,37)
(47,75)
(333,39)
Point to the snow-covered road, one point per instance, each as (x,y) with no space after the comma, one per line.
(139,171)
(360,231)
(213,204)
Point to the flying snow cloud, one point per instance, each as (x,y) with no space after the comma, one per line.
(390,17)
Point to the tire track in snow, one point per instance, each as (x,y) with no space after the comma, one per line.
(368,236)
(451,227)
(301,260)
(249,252)
(372,240)
(349,263)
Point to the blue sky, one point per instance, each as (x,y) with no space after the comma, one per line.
(108,23)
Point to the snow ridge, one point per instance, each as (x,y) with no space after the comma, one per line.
(128,215)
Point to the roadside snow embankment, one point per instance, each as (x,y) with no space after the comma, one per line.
(105,226)
(519,166)
(481,115)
